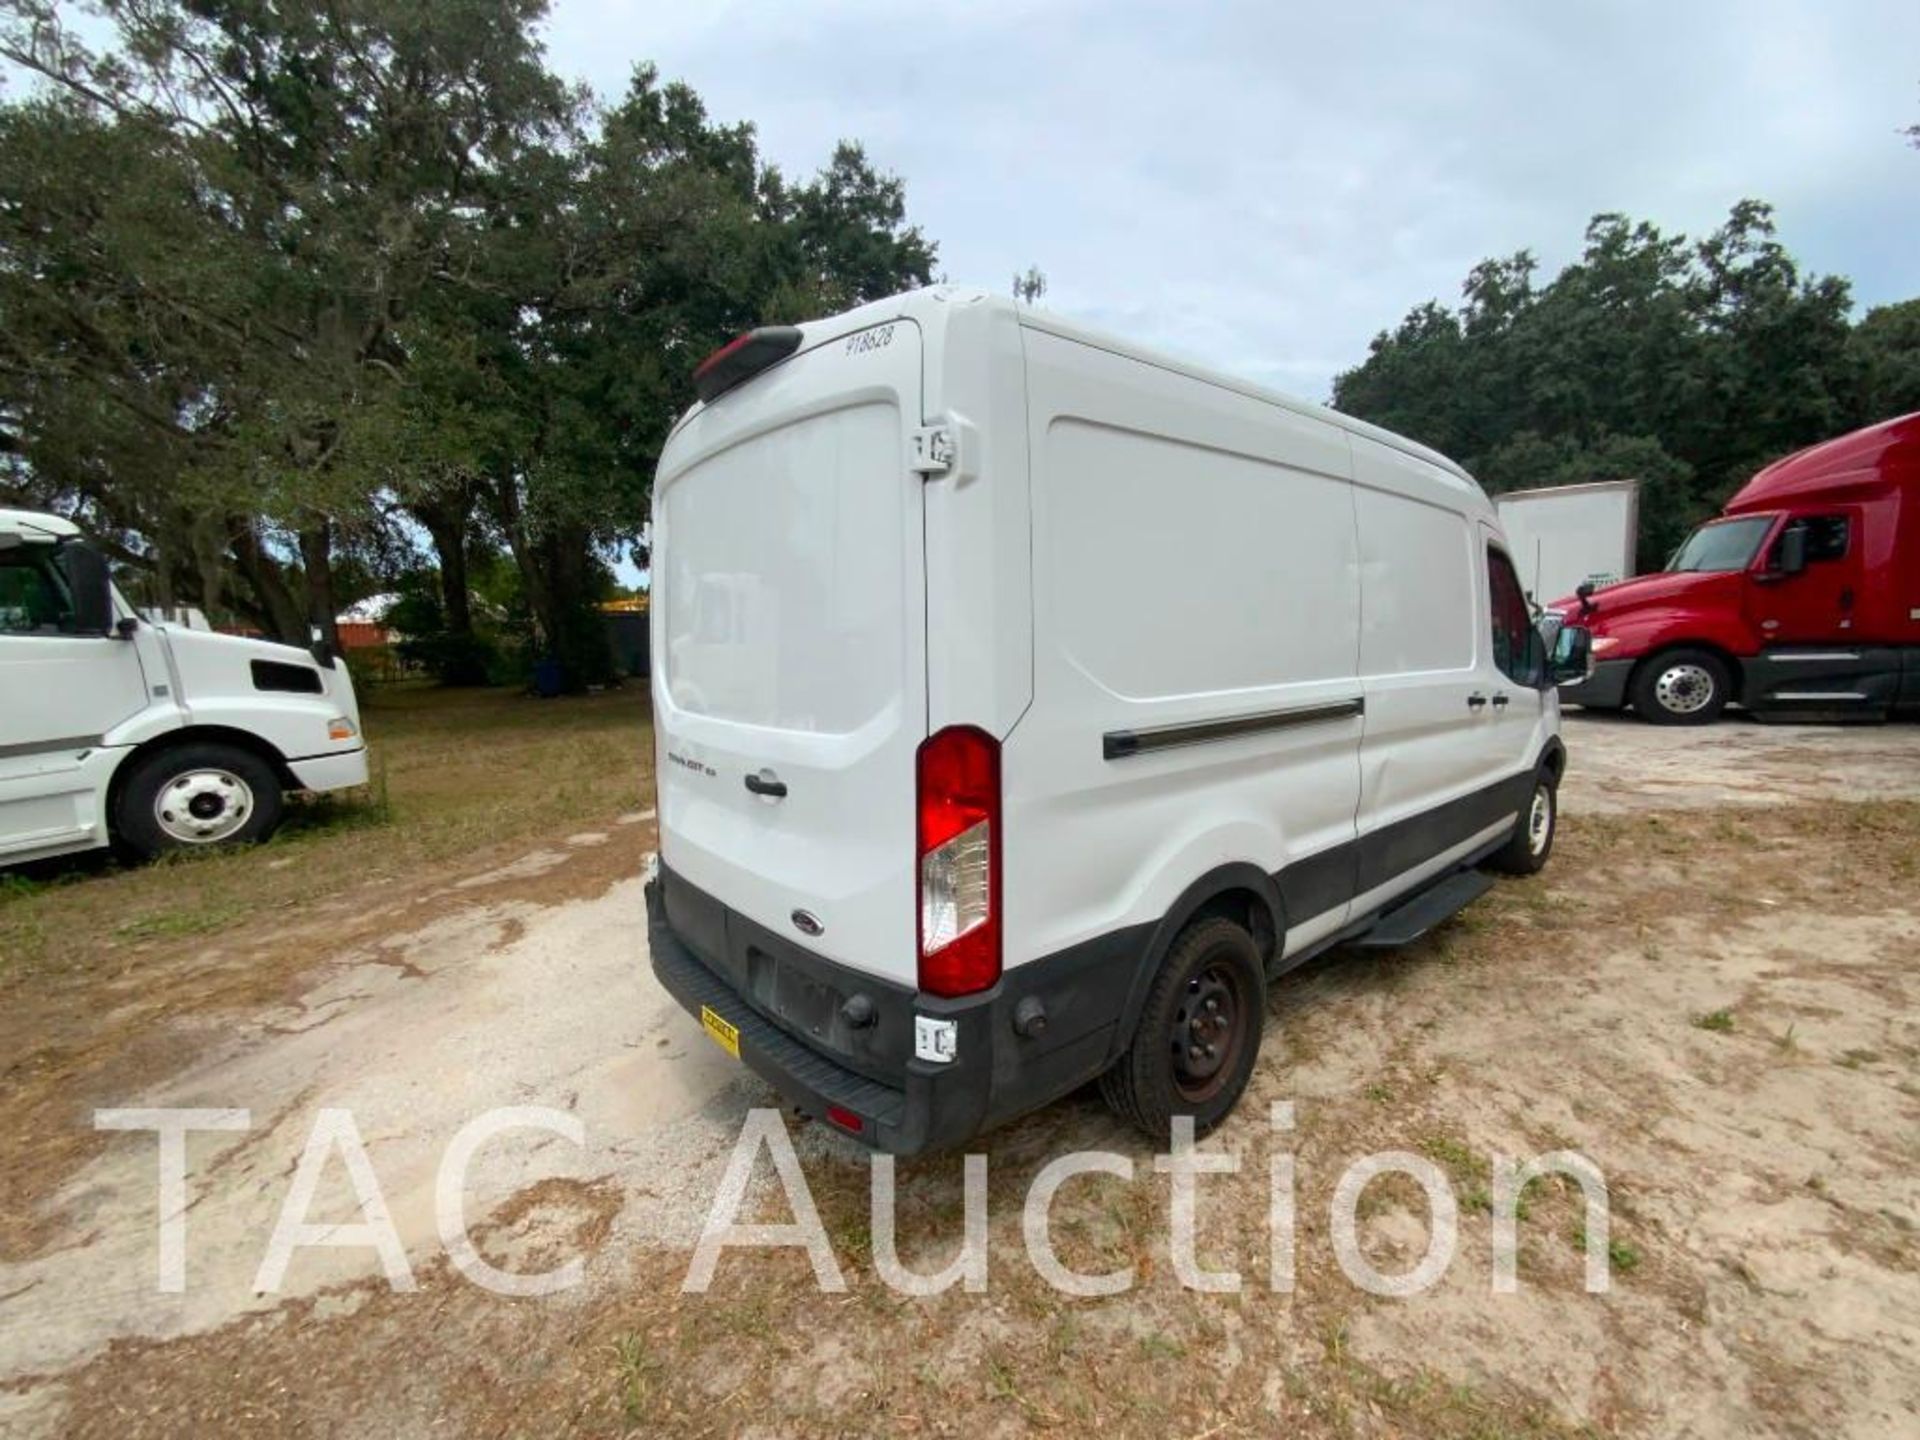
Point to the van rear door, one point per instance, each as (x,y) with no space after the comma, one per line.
(789,634)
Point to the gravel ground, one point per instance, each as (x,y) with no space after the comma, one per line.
(1618,764)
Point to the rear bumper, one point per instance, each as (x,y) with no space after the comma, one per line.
(913,1105)
(331,772)
(1605,687)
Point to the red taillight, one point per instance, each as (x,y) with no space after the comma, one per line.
(958,777)
(845,1118)
(742,358)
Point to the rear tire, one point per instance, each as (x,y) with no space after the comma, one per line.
(189,797)
(1198,1036)
(1681,687)
(1532,840)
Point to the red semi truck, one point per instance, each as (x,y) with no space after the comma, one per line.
(1801,600)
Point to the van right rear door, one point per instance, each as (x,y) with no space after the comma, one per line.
(788,628)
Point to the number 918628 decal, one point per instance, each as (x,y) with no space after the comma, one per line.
(877,338)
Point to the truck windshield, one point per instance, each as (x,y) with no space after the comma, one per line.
(1722,545)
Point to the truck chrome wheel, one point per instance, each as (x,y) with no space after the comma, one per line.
(203,807)
(1684,689)
(1540,820)
(1206,1032)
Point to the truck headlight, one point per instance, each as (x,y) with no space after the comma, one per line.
(1602,643)
(341,728)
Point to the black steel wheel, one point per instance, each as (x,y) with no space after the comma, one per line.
(1198,1035)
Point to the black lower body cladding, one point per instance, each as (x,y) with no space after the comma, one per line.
(789,1005)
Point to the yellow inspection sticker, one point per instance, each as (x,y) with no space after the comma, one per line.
(726,1036)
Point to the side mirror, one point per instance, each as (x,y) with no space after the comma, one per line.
(91,585)
(1585,591)
(1572,652)
(1792,550)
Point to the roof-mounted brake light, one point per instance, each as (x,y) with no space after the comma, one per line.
(743,358)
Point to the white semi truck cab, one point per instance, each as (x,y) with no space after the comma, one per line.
(116,730)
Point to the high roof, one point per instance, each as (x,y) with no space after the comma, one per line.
(1103,340)
(28,522)
(923,306)
(1835,464)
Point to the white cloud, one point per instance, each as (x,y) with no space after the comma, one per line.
(1263,186)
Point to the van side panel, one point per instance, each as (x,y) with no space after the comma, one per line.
(1195,564)
(979,553)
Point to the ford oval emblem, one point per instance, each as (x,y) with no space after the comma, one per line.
(807,923)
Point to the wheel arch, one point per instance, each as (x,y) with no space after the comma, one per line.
(1242,892)
(195,735)
(1553,759)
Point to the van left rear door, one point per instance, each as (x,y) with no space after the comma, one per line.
(789,648)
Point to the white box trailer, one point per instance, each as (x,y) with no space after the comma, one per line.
(950,821)
(1567,535)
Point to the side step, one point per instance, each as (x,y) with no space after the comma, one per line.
(1415,917)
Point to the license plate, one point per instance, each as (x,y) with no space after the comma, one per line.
(726,1036)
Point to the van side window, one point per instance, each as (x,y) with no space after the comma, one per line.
(32,599)
(1826,537)
(1512,621)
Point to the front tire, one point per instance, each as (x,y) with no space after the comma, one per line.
(198,796)
(1681,687)
(1198,1037)
(1532,840)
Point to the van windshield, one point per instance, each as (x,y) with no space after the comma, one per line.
(1722,545)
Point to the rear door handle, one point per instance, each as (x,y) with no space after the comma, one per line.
(1476,700)
(765,784)
(1500,701)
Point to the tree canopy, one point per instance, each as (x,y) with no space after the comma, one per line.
(1686,364)
(283,286)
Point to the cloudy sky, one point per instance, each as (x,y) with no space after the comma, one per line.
(1263,186)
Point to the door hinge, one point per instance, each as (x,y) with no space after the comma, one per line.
(935,449)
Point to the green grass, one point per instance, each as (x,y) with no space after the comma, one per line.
(455,774)
(1162,1347)
(17,887)
(1622,1255)
(1456,1157)
(1718,1021)
(636,1376)
(169,924)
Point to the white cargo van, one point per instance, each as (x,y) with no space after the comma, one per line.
(157,736)
(1026,702)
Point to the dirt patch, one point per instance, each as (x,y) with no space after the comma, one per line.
(84,1043)
(1717,1007)
(1619,764)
